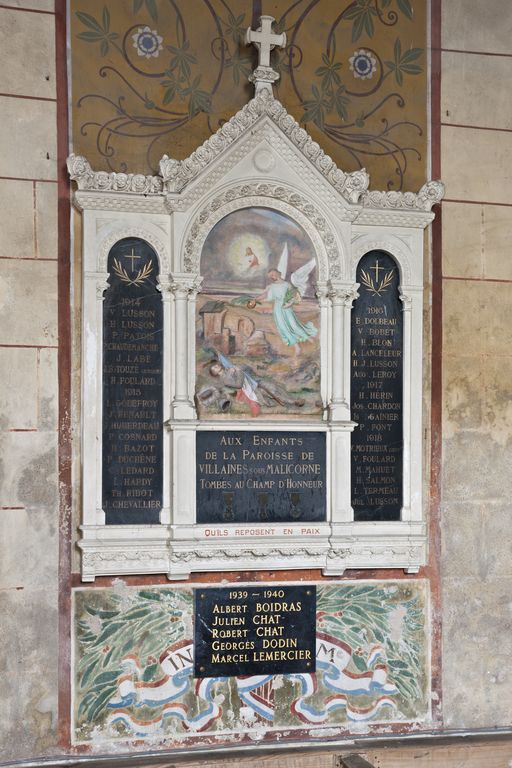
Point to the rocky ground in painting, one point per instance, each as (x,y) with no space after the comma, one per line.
(288,383)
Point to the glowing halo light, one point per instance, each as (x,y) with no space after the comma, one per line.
(238,259)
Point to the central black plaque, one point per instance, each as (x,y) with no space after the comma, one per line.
(254,631)
(260,477)
(132,386)
(377,390)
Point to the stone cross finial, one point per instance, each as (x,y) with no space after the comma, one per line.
(264,40)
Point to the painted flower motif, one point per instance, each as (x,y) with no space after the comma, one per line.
(147,42)
(363,64)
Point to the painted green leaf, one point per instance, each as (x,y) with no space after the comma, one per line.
(127,646)
(145,593)
(85,703)
(137,5)
(152,9)
(169,94)
(87,673)
(411,55)
(89,657)
(359,662)
(149,672)
(101,613)
(108,657)
(106,677)
(138,613)
(340,103)
(89,21)
(361,13)
(314,109)
(100,702)
(403,62)
(406,8)
(90,36)
(109,630)
(396,664)
(235,26)
(200,101)
(240,66)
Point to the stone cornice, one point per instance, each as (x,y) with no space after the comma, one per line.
(431,193)
(80,171)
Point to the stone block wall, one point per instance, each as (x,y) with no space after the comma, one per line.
(28,383)
(476,151)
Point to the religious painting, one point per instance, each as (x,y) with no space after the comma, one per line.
(258,320)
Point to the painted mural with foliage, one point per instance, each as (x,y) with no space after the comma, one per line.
(151,77)
(133,669)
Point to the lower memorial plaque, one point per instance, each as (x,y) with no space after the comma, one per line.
(254,630)
(260,477)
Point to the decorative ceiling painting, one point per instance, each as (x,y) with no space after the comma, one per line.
(151,77)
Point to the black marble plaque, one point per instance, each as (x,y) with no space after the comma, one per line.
(132,386)
(260,477)
(377,390)
(254,630)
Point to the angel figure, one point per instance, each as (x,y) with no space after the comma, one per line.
(284,296)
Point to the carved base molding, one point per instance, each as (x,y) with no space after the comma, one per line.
(172,550)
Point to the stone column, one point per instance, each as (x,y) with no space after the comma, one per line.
(341,297)
(184,287)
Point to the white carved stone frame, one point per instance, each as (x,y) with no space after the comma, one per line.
(261,157)
(118,548)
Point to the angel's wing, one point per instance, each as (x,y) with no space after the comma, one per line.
(282,267)
(300,277)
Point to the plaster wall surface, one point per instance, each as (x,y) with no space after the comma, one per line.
(28,384)
(477,366)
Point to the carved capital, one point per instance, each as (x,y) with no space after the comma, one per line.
(342,295)
(183,285)
(406,301)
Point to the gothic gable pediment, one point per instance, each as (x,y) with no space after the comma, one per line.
(254,120)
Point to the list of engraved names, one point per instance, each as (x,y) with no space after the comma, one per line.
(132,389)
(376,391)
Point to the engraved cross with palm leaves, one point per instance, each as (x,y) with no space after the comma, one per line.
(142,274)
(373,285)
